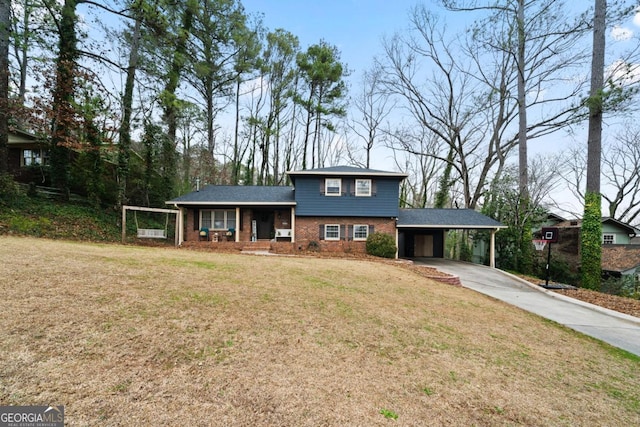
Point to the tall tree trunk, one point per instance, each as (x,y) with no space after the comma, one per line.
(63,93)
(5,25)
(124,143)
(524,262)
(522,107)
(591,249)
(307,131)
(169,104)
(236,161)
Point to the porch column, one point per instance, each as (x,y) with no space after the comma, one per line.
(293,224)
(492,249)
(237,231)
(179,227)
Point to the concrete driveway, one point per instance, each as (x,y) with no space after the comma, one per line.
(619,330)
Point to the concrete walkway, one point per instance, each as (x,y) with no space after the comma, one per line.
(617,329)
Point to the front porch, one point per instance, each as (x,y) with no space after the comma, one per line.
(232,227)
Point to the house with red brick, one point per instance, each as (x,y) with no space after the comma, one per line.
(331,209)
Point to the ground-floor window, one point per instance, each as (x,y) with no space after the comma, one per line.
(218,219)
(356,232)
(360,232)
(35,157)
(332,232)
(608,239)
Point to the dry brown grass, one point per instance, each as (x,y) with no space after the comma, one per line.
(126,335)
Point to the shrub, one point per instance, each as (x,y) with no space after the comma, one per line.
(382,245)
(9,189)
(625,286)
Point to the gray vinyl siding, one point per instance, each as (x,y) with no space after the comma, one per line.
(311,201)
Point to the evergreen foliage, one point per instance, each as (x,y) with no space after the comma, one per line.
(591,243)
(381,245)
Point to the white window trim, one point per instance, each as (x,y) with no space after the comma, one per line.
(326,187)
(326,227)
(38,154)
(613,238)
(363,194)
(354,232)
(227,216)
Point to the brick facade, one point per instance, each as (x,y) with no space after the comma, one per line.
(282,219)
(308,233)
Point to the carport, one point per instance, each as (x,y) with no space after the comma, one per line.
(421,232)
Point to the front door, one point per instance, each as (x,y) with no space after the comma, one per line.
(264,224)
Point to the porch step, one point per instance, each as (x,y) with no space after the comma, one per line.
(259,246)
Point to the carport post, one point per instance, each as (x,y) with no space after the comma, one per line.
(492,249)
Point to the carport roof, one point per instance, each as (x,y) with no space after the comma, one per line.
(237,195)
(445,218)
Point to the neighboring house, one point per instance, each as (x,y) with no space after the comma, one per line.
(25,151)
(621,260)
(329,209)
(614,232)
(552,220)
(619,255)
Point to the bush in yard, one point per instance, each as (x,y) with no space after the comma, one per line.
(382,245)
(9,190)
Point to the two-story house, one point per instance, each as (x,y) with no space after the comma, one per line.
(328,209)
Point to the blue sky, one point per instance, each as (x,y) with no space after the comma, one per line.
(355,27)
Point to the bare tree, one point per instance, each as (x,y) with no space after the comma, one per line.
(408,144)
(542,40)
(620,179)
(439,91)
(372,107)
(621,163)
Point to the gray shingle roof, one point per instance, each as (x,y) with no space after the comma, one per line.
(238,195)
(445,218)
(345,171)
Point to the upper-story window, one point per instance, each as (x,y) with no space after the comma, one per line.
(332,186)
(363,187)
(608,239)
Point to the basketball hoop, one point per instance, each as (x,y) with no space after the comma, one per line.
(539,244)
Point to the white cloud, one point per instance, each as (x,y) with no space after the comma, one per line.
(636,18)
(621,34)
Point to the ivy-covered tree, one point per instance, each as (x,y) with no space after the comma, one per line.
(63,110)
(5,25)
(591,233)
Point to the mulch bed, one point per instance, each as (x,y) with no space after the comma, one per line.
(628,306)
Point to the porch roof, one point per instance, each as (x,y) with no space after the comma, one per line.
(445,218)
(237,195)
